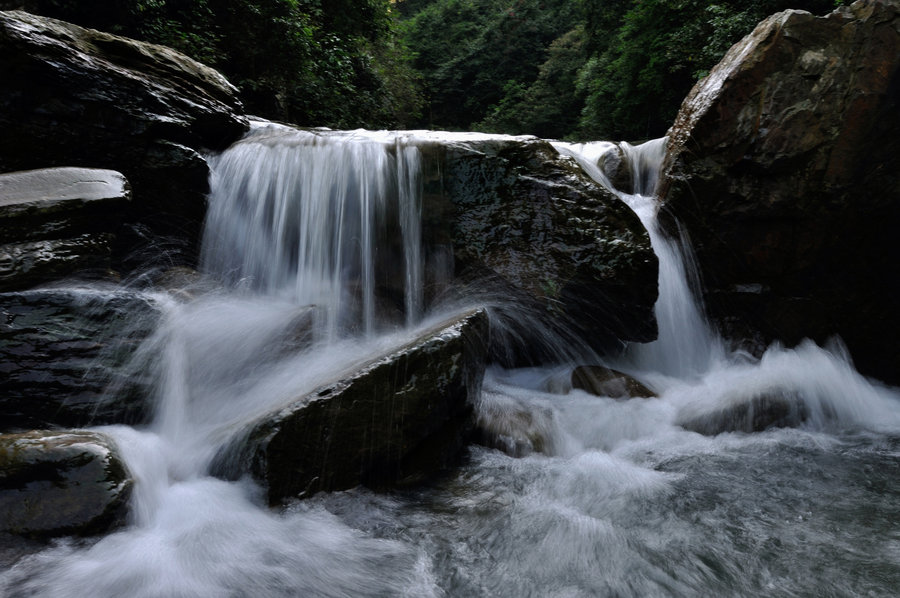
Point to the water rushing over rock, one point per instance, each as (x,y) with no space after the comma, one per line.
(578,495)
(686,345)
(299,215)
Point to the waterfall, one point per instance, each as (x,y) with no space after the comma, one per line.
(308,216)
(312,255)
(686,345)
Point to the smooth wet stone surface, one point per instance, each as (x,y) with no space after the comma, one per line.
(64,482)
(398,420)
(527,225)
(80,97)
(746,414)
(606,382)
(65,358)
(58,222)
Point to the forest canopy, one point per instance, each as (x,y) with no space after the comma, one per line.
(566,69)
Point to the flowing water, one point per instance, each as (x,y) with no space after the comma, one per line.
(620,500)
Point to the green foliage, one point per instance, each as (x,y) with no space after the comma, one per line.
(473,54)
(583,69)
(550,106)
(637,76)
(587,69)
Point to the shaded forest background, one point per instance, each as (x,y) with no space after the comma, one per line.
(563,69)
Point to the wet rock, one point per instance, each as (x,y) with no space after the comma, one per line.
(54,483)
(784,167)
(517,430)
(528,225)
(80,97)
(55,222)
(398,419)
(606,382)
(617,168)
(746,414)
(65,358)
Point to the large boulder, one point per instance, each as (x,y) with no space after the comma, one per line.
(396,420)
(58,221)
(79,97)
(784,167)
(66,358)
(63,482)
(530,229)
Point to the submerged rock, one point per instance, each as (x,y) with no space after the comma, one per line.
(65,358)
(58,221)
(62,482)
(784,167)
(746,414)
(606,382)
(516,429)
(531,228)
(402,417)
(79,97)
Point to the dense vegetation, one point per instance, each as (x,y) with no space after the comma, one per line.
(588,69)
(338,63)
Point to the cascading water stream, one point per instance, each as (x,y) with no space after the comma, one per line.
(686,345)
(616,497)
(299,214)
(689,361)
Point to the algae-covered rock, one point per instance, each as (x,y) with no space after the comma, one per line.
(63,482)
(784,167)
(398,419)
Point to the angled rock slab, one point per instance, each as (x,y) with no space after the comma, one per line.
(63,482)
(397,420)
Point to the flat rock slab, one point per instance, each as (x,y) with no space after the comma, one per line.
(38,187)
(58,221)
(55,483)
(55,203)
(401,418)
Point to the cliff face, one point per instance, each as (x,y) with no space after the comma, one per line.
(783,167)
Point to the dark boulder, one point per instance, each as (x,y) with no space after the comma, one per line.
(531,229)
(396,420)
(66,358)
(79,97)
(64,482)
(784,167)
(58,221)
